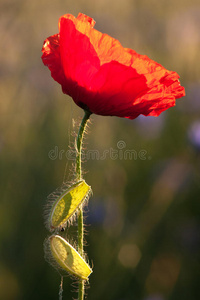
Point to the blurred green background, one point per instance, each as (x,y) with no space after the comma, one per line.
(143,226)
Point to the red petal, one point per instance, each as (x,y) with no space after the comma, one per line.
(103,76)
(51,58)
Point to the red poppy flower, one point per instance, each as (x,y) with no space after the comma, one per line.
(105,78)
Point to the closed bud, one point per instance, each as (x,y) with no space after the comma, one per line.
(67,204)
(66,258)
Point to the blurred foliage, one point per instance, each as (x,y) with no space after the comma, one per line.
(143,219)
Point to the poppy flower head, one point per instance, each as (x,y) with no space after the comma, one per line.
(105,78)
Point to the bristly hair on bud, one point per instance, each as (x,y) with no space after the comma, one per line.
(65,258)
(64,205)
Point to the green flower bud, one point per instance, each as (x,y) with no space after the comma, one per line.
(67,258)
(67,204)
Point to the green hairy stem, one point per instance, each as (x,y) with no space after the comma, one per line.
(78,177)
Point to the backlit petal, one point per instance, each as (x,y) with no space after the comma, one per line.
(102,76)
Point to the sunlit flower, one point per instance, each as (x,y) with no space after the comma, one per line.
(105,78)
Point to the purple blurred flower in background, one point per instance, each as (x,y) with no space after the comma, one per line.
(194,134)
